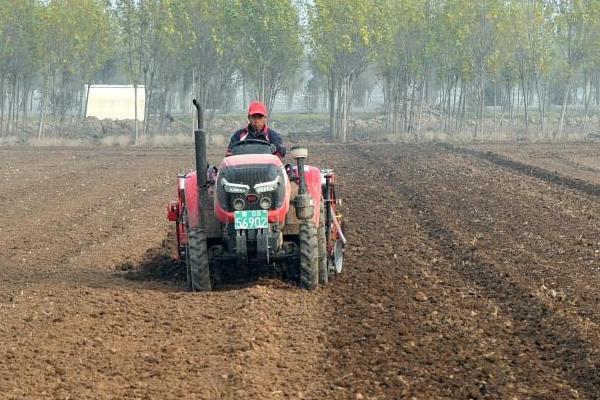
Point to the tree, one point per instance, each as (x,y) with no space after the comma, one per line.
(403,62)
(212,54)
(70,52)
(269,35)
(572,23)
(131,47)
(342,40)
(18,64)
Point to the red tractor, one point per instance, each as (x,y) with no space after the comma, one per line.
(253,212)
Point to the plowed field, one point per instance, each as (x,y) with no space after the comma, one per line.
(472,273)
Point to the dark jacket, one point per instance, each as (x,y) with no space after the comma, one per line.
(267,134)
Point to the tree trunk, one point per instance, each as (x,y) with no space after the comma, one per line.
(25,101)
(42,107)
(397,96)
(514,109)
(135,112)
(386,102)
(63,102)
(524,91)
(344,112)
(348,100)
(332,105)
(510,95)
(338,109)
(449,106)
(479,123)
(42,114)
(148,88)
(597,87)
(2,77)
(17,104)
(162,101)
(413,107)
(559,131)
(404,103)
(54,110)
(420,108)
(495,112)
(463,112)
(540,104)
(11,103)
(261,89)
(459,123)
(441,96)
(390,103)
(87,100)
(244,93)
(586,103)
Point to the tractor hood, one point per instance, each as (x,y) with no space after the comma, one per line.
(250,159)
(253,182)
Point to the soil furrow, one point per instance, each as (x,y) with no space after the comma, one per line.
(537,172)
(465,277)
(82,331)
(542,326)
(408,327)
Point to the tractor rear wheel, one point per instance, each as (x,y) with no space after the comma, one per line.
(309,261)
(198,267)
(322,239)
(188,273)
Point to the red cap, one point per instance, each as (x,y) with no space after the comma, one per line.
(256,107)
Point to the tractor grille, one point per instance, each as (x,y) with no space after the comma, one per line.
(250,175)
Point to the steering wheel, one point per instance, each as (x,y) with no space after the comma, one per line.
(246,142)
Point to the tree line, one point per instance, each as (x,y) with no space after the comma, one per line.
(517,63)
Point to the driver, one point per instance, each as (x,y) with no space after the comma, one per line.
(257,129)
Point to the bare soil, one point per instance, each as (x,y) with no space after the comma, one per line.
(472,273)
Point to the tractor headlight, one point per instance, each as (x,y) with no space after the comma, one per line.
(234,187)
(239,204)
(265,203)
(267,186)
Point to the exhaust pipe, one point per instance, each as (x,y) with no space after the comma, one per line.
(201,163)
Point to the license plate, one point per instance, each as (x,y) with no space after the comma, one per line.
(251,219)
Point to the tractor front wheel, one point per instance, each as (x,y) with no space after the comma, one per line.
(198,267)
(309,261)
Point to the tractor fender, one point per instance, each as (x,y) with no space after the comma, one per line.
(191,199)
(212,225)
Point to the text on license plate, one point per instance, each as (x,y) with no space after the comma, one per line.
(251,219)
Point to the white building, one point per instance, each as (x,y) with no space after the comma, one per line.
(115,102)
